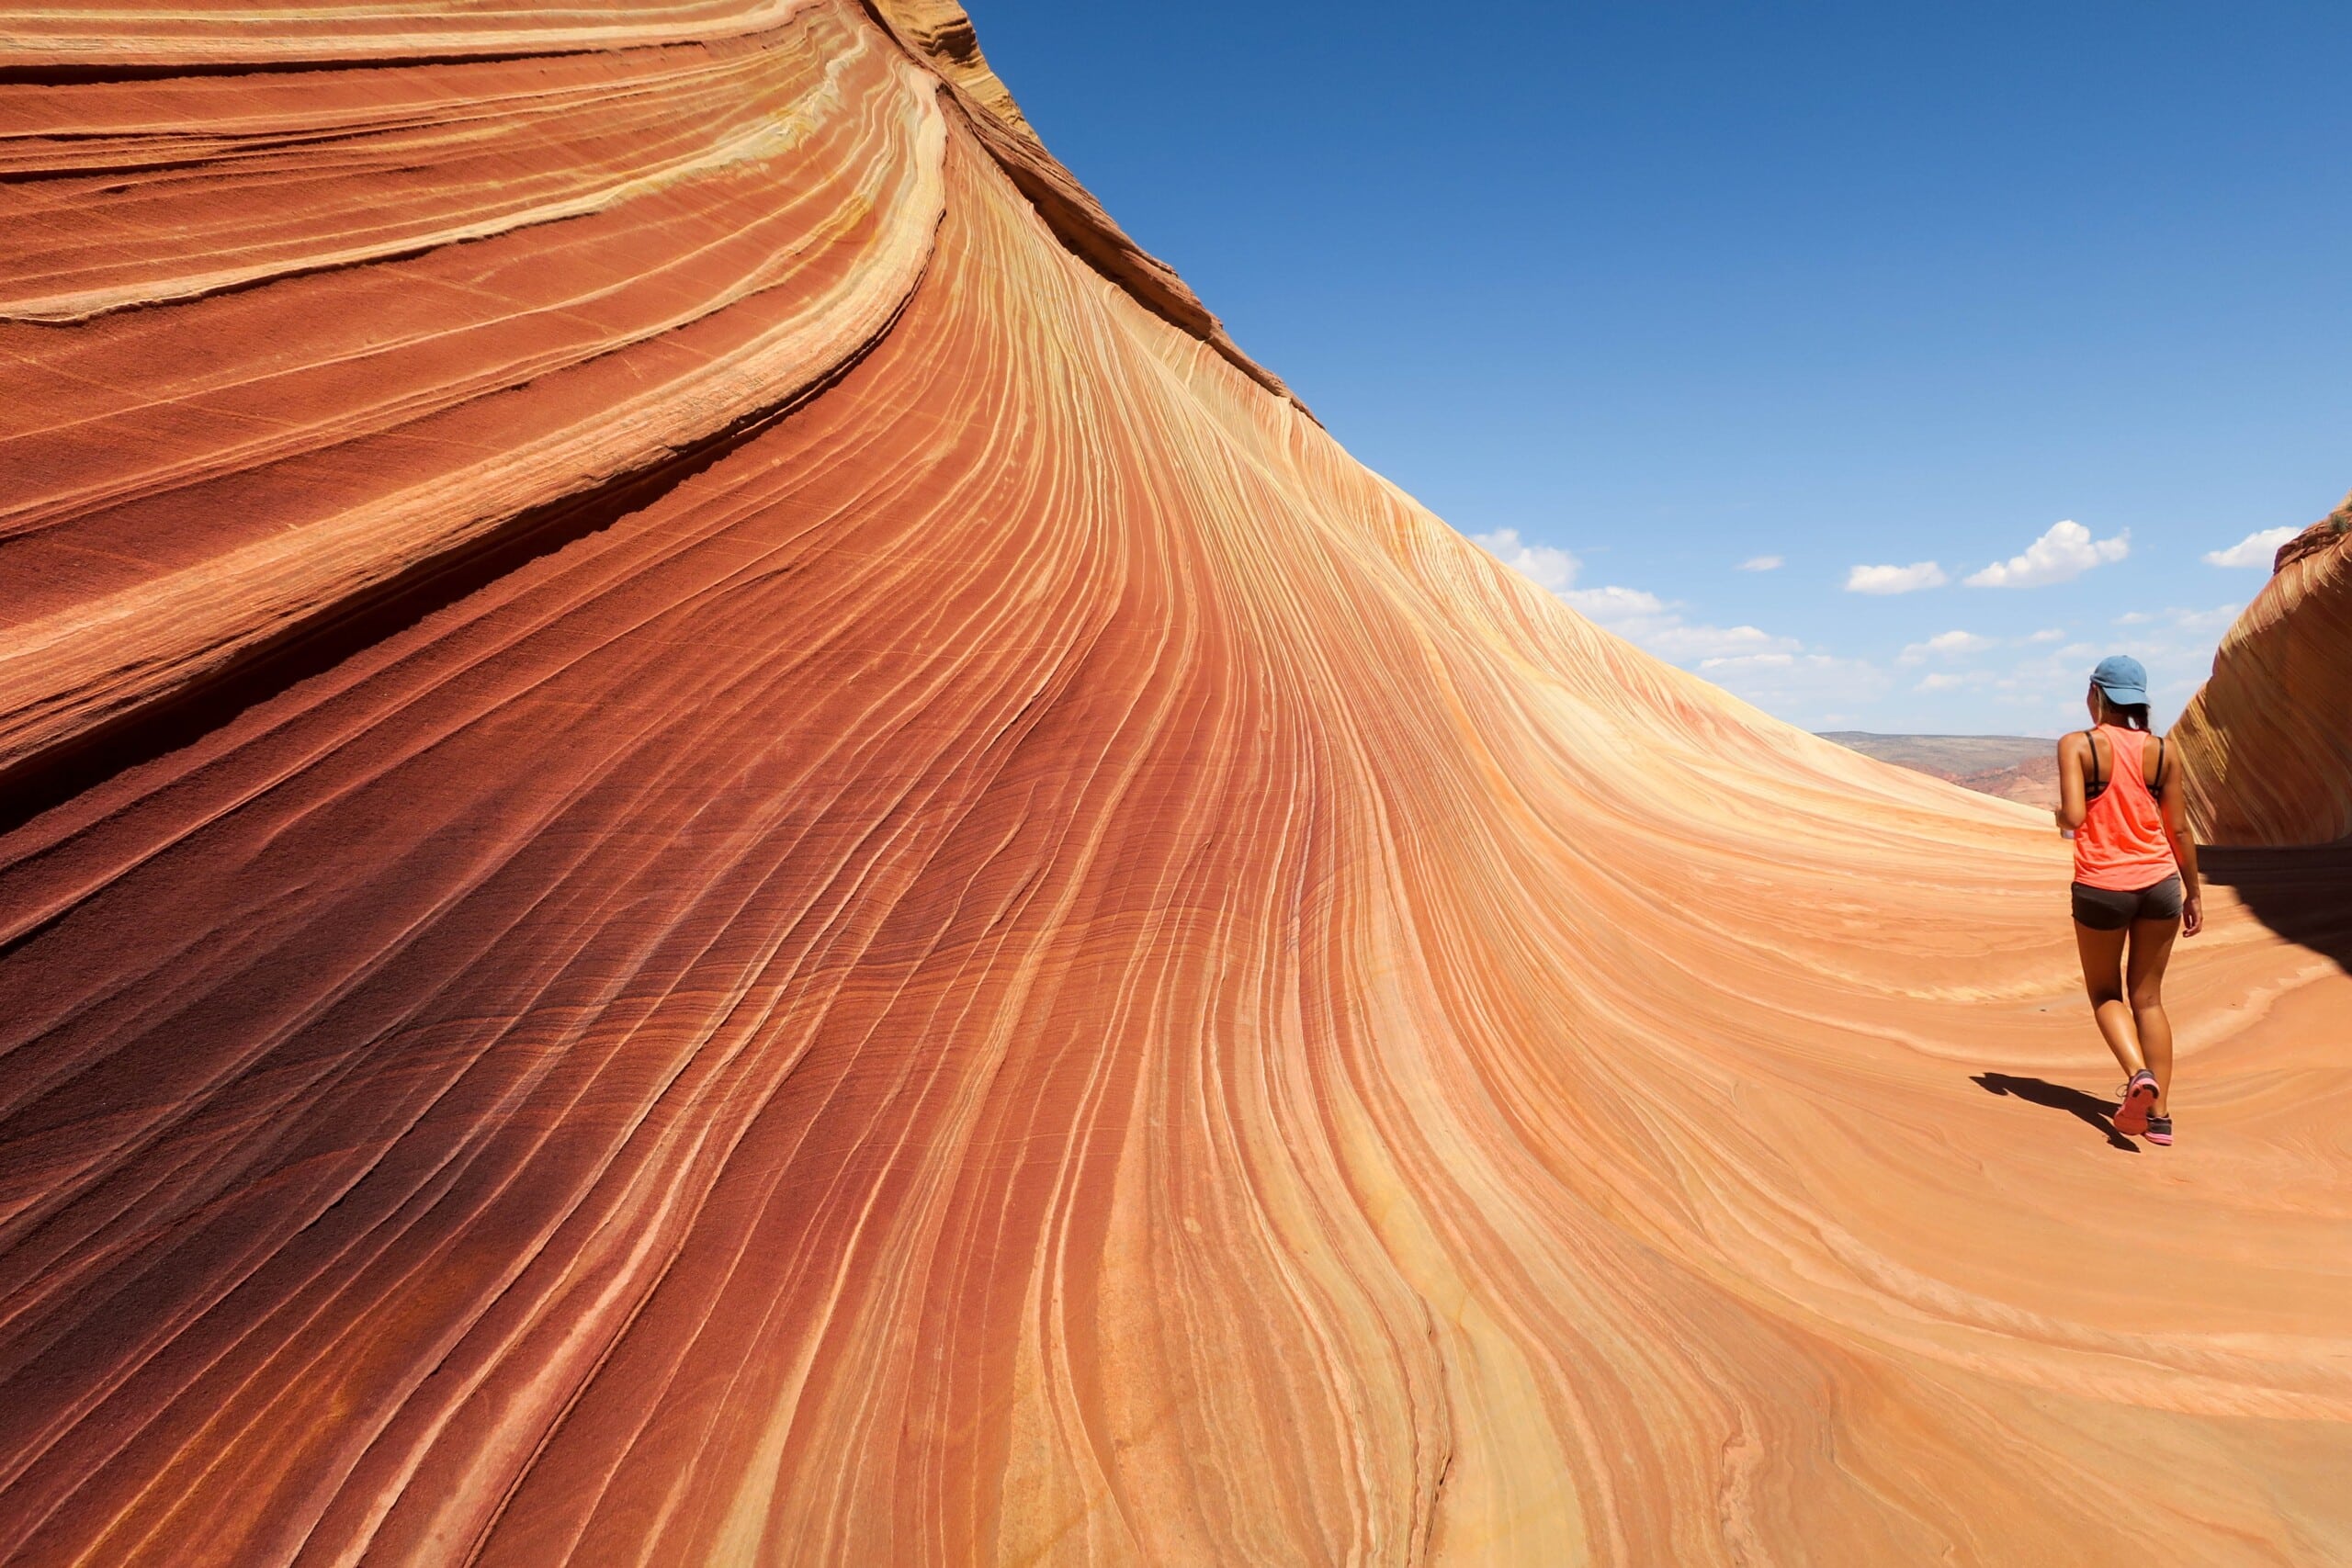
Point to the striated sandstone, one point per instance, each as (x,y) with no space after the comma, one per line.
(723,847)
(2320,537)
(2268,737)
(945,35)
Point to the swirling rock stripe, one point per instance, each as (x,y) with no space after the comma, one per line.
(2268,739)
(1015,960)
(941,32)
(119,40)
(701,283)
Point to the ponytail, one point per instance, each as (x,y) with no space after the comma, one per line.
(2132,715)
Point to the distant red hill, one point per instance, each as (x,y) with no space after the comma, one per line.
(2015,767)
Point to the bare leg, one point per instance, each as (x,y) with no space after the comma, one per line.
(2103,979)
(2151,948)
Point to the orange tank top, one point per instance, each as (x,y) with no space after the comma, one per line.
(2122,846)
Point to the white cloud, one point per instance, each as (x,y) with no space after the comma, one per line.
(2062,553)
(2216,619)
(2177,644)
(2255,549)
(1633,613)
(1896,578)
(1774,672)
(2048,633)
(1763,563)
(1942,681)
(1612,604)
(1947,643)
(1644,618)
(2213,620)
(1549,568)
(1681,642)
(1804,688)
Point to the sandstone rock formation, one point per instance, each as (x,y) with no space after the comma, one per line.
(2322,535)
(722,847)
(2269,736)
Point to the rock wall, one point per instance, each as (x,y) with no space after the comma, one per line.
(2268,737)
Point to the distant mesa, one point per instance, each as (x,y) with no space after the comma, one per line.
(2012,767)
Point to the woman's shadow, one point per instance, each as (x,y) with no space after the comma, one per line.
(2088,1107)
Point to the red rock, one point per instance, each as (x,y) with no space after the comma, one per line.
(2320,537)
(725,848)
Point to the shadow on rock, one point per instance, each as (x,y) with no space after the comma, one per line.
(2304,894)
(2083,1107)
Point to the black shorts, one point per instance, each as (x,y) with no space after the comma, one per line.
(2103,909)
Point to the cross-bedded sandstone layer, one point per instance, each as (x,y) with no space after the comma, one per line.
(724,848)
(2269,735)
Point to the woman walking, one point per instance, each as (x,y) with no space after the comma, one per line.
(2136,882)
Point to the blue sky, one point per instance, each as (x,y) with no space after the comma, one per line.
(1640,293)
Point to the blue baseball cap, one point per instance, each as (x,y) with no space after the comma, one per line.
(2123,680)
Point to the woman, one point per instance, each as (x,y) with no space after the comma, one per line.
(2135,880)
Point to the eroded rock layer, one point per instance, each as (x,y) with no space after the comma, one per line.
(2269,736)
(725,849)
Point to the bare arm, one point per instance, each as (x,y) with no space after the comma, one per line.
(2173,800)
(2072,752)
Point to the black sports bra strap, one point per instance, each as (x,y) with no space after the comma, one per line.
(2090,739)
(2158,782)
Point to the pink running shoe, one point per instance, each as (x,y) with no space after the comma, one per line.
(2139,1097)
(2160,1130)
